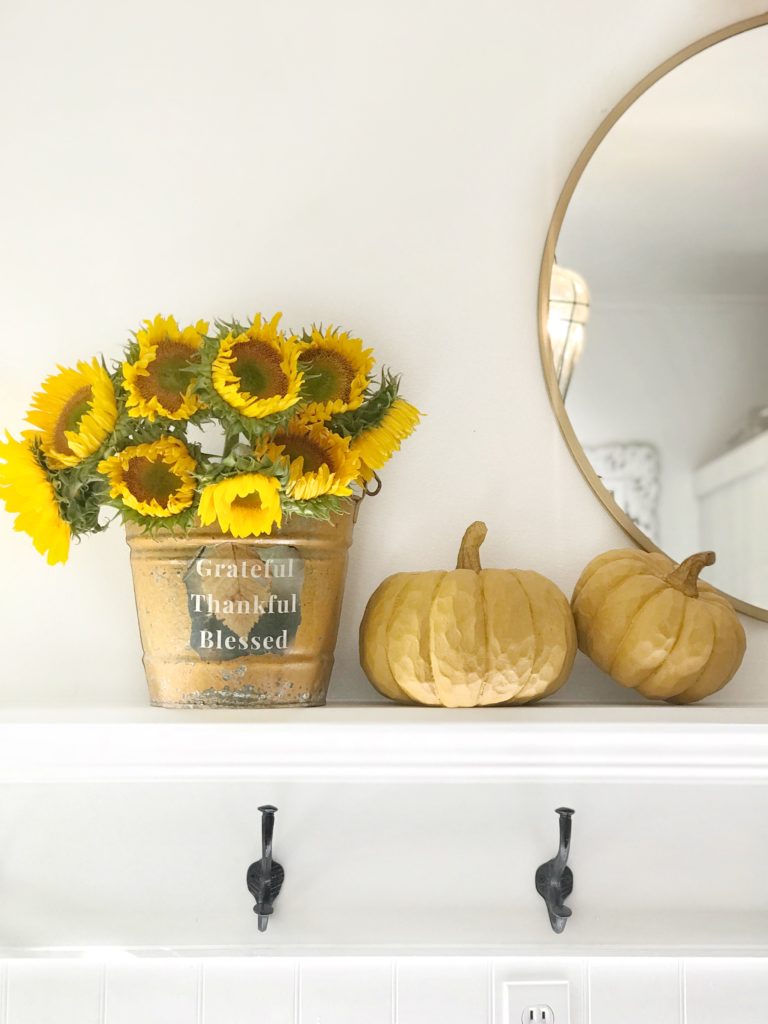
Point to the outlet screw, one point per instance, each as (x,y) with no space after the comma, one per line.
(541,1014)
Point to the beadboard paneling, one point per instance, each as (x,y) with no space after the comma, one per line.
(340,990)
(436,990)
(153,992)
(249,990)
(635,992)
(377,990)
(720,992)
(54,992)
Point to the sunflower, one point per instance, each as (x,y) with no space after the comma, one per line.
(244,505)
(26,489)
(256,371)
(377,444)
(75,413)
(154,479)
(157,379)
(336,369)
(319,462)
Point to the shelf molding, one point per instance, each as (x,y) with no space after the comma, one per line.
(364,744)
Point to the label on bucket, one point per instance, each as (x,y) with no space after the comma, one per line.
(243,600)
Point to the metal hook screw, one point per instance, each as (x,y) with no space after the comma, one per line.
(554,880)
(265,877)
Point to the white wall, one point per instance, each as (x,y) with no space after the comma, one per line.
(389,166)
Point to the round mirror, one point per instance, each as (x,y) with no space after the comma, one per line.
(653,310)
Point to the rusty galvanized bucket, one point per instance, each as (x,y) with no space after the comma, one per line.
(241,623)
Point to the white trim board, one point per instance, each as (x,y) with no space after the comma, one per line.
(356,744)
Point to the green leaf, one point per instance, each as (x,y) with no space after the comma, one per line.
(152,525)
(324,507)
(241,460)
(378,400)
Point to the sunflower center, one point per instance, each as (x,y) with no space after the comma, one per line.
(303,447)
(328,375)
(71,417)
(257,366)
(168,374)
(251,502)
(148,480)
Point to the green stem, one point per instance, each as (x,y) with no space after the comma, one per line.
(229,443)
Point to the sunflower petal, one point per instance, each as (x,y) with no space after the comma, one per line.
(26,490)
(245,506)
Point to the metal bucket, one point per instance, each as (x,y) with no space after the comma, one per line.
(241,623)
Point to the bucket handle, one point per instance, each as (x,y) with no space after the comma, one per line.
(371,492)
(368,492)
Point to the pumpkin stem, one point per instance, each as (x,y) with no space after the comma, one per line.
(469,552)
(686,576)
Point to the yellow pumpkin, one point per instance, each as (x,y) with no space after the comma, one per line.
(467,637)
(655,626)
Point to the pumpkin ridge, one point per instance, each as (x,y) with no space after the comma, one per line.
(736,659)
(509,635)
(646,600)
(456,633)
(737,654)
(608,594)
(524,682)
(486,640)
(380,598)
(483,610)
(702,670)
(397,605)
(430,632)
(680,633)
(671,650)
(628,555)
(616,584)
(680,696)
(486,630)
(552,603)
(521,693)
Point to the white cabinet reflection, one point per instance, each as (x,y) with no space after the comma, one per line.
(732,494)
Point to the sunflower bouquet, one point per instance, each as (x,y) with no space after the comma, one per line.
(300,423)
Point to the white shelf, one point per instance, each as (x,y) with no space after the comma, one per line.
(151,817)
(386,742)
(389,714)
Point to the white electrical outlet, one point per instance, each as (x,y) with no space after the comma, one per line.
(536,1002)
(540,1014)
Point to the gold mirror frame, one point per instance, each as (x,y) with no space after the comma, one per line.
(548,260)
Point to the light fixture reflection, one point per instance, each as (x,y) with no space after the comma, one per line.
(568,313)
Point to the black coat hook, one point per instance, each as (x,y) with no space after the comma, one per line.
(265,877)
(554,881)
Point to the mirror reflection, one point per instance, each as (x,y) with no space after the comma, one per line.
(658,315)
